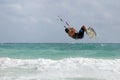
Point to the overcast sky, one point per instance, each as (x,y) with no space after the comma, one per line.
(36,20)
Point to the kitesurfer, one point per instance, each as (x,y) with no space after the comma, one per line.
(73,32)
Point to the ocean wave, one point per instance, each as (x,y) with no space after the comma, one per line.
(40,69)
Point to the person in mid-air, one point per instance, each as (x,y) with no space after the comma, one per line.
(78,35)
(74,34)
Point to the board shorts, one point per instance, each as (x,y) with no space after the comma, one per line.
(79,35)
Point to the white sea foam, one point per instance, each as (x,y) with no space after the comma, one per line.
(64,69)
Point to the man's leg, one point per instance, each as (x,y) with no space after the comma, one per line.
(85,29)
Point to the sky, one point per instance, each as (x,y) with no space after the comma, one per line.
(36,21)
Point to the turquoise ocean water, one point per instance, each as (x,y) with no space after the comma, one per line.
(59,61)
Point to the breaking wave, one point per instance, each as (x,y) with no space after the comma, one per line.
(63,69)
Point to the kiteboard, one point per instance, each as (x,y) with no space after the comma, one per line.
(91,33)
